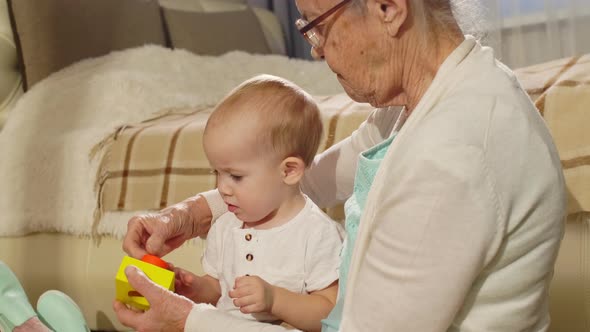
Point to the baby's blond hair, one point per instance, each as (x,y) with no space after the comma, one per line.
(288,118)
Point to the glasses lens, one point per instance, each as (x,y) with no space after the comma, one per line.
(300,23)
(312,36)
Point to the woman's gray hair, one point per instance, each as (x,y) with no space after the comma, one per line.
(437,15)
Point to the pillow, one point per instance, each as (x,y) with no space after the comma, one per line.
(52,34)
(215,33)
(10,79)
(222,5)
(182,5)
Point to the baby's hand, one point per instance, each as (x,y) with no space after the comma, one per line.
(186,283)
(252,294)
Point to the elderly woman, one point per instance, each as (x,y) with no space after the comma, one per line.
(454,203)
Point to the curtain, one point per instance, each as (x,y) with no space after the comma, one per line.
(526,32)
(522,32)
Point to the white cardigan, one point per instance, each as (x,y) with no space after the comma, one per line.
(463,223)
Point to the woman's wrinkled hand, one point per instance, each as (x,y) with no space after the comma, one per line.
(168,311)
(160,233)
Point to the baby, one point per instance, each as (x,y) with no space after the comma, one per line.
(275,255)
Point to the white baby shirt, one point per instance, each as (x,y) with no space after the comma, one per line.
(302,255)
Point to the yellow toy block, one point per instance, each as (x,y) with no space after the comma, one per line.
(126,294)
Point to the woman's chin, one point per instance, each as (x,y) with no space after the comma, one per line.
(351,92)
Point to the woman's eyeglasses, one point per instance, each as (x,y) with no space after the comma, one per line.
(310,31)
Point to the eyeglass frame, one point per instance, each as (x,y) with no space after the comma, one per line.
(315,22)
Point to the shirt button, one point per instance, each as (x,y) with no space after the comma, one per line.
(248,237)
(249,257)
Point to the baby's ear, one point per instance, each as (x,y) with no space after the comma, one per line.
(292,169)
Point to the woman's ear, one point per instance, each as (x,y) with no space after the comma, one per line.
(392,13)
(292,169)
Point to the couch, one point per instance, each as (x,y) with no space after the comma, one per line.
(76,248)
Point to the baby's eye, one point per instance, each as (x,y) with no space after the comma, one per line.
(236,177)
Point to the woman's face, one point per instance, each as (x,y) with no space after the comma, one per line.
(351,47)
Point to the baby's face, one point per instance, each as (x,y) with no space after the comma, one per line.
(248,176)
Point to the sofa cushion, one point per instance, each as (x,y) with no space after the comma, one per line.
(52,34)
(215,33)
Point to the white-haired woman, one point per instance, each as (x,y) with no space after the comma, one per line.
(454,203)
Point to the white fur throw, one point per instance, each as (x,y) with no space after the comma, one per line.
(46,175)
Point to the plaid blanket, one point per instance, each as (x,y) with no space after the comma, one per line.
(561,91)
(160,161)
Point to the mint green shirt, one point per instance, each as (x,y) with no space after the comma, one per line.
(368,165)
